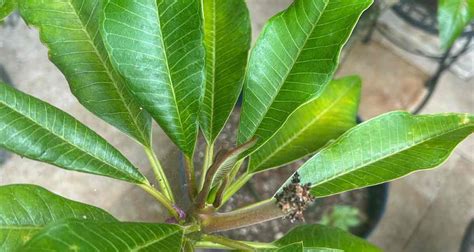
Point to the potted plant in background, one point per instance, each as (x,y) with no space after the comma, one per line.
(184,63)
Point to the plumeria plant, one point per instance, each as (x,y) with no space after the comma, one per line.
(183,64)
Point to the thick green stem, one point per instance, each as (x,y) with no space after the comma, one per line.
(190,177)
(233,244)
(260,212)
(234,187)
(208,158)
(162,199)
(159,174)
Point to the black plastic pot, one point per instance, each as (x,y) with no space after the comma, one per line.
(378,196)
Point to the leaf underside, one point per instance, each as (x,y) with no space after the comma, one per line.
(39,131)
(385,148)
(227,41)
(293,59)
(157,46)
(311,126)
(26,209)
(70,29)
(76,235)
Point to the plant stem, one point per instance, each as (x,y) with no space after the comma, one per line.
(254,245)
(190,176)
(159,174)
(208,158)
(235,187)
(162,199)
(259,212)
(187,246)
(233,244)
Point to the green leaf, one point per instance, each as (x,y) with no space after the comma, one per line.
(26,209)
(326,237)
(453,17)
(298,246)
(294,58)
(311,126)
(70,29)
(227,41)
(37,130)
(157,46)
(76,235)
(385,148)
(291,247)
(7,7)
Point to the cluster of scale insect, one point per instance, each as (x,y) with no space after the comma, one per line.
(294,199)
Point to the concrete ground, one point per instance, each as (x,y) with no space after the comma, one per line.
(426,211)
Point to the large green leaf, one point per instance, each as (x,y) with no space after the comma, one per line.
(227,41)
(453,16)
(76,235)
(26,209)
(293,59)
(314,236)
(298,247)
(157,46)
(6,8)
(311,126)
(37,130)
(385,148)
(70,29)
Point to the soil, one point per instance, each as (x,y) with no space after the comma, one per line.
(263,186)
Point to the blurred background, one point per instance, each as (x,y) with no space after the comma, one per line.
(395,50)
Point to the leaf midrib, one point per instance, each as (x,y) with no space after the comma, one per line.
(108,70)
(304,128)
(20,227)
(361,166)
(150,243)
(300,50)
(165,58)
(66,141)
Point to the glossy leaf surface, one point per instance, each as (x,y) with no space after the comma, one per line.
(227,41)
(70,29)
(453,16)
(311,126)
(385,148)
(79,235)
(314,236)
(6,8)
(26,209)
(35,129)
(293,59)
(157,46)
